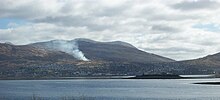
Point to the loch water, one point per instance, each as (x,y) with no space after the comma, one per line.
(109,89)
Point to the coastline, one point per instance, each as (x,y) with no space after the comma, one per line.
(115,77)
(67,78)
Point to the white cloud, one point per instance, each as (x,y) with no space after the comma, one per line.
(164,27)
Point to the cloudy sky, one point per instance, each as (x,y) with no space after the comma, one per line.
(178,29)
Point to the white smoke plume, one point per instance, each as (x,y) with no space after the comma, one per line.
(70,47)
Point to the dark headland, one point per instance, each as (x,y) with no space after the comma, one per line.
(171,76)
(208,83)
(156,76)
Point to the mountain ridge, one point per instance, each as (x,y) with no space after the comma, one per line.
(97,50)
(84,57)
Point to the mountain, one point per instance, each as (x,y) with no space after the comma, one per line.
(84,57)
(85,49)
(117,51)
(9,52)
(78,57)
(210,61)
(206,65)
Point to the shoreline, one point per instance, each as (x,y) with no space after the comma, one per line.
(107,77)
(69,78)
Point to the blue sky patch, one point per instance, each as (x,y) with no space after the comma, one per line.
(212,27)
(11,22)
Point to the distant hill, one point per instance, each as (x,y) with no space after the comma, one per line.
(204,65)
(10,52)
(210,61)
(117,51)
(84,57)
(105,51)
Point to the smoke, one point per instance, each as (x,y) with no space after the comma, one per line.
(79,55)
(70,47)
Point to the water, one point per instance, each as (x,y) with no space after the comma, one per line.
(109,89)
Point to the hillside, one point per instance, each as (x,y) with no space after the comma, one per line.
(84,49)
(210,61)
(58,58)
(84,57)
(118,51)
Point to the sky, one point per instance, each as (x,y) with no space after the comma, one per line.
(178,29)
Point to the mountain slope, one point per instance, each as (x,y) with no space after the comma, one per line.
(117,51)
(85,49)
(17,52)
(206,65)
(212,61)
(84,57)
(78,50)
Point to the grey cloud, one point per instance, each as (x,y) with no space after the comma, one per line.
(178,53)
(158,38)
(9,9)
(164,28)
(207,43)
(176,50)
(174,17)
(111,11)
(66,20)
(74,21)
(6,37)
(196,5)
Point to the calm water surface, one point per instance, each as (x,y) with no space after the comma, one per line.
(108,89)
